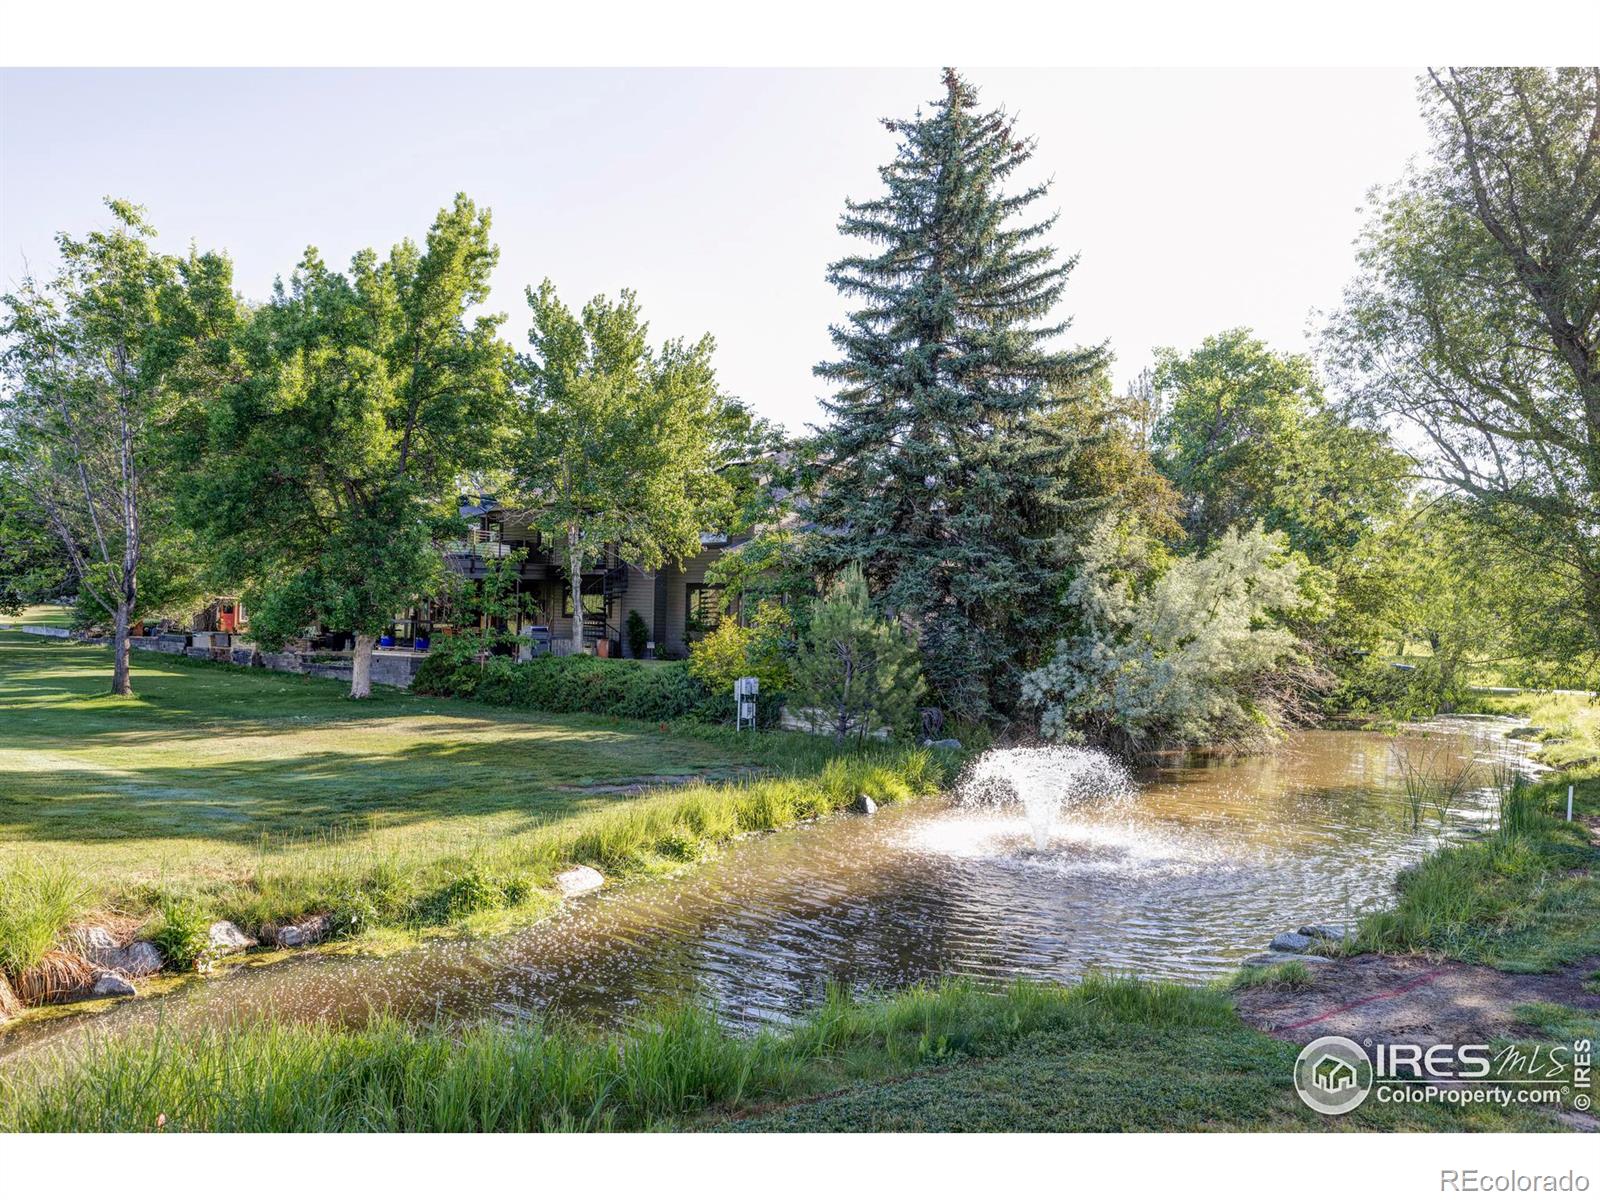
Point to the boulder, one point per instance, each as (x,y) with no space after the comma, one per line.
(1328,933)
(306,933)
(109,983)
(1278,958)
(574,881)
(228,938)
(139,958)
(97,944)
(1292,943)
(944,744)
(864,804)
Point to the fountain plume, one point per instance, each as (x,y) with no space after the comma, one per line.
(1044,782)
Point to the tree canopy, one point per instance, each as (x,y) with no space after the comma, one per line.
(332,463)
(619,444)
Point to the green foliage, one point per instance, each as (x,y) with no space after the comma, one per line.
(638,634)
(356,913)
(1093,1055)
(1188,657)
(183,935)
(1247,437)
(38,901)
(474,890)
(1409,692)
(1524,898)
(570,683)
(331,466)
(1474,321)
(943,472)
(104,364)
(761,648)
(618,445)
(855,671)
(34,565)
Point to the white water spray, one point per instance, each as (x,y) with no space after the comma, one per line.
(1045,781)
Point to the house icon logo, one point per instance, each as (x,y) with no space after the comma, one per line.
(1333,1075)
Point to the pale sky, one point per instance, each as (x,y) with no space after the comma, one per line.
(1198,199)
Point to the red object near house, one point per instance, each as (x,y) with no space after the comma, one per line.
(227,620)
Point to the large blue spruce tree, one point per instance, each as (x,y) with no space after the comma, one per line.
(944,470)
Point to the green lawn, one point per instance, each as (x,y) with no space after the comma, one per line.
(55,615)
(266,796)
(190,775)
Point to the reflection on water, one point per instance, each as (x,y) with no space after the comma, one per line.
(1196,870)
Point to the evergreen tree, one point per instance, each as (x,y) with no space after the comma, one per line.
(941,471)
(853,672)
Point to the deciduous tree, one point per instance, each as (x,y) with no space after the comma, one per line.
(1475,319)
(329,482)
(100,362)
(619,444)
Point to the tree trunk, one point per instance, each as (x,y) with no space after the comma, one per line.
(575,567)
(121,683)
(361,667)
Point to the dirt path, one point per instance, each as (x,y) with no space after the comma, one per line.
(1411,999)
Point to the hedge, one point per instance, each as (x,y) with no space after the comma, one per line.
(663,691)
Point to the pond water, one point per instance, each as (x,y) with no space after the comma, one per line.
(1195,869)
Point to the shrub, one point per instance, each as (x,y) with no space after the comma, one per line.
(1190,656)
(474,890)
(354,914)
(638,634)
(762,648)
(854,670)
(581,684)
(183,935)
(1376,686)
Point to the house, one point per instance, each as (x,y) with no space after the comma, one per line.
(1334,1075)
(675,602)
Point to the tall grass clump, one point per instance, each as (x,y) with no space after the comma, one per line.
(672,1069)
(1433,776)
(37,903)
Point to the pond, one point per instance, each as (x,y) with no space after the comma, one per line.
(1199,867)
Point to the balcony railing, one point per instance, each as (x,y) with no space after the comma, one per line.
(487,543)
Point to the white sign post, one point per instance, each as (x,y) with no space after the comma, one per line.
(745,689)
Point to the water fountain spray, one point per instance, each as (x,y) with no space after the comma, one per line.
(1044,781)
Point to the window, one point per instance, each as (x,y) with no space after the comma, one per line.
(703,609)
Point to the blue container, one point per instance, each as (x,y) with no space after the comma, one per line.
(420,644)
(386,642)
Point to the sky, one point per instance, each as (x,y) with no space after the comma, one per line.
(1197,200)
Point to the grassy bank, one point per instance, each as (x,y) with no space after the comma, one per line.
(1566,727)
(1528,897)
(221,792)
(1104,1054)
